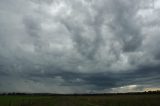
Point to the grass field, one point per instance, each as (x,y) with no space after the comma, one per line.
(104,100)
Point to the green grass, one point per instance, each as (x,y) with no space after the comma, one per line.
(114,100)
(19,100)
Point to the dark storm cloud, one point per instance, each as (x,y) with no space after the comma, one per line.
(68,46)
(100,81)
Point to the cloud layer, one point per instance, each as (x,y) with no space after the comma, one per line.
(68,46)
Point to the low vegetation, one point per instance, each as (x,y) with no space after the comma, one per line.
(81,100)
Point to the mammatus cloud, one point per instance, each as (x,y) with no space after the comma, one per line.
(75,46)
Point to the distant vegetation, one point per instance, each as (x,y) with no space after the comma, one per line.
(150,98)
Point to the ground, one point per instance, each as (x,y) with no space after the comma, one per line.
(99,100)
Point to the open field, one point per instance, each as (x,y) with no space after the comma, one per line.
(94,100)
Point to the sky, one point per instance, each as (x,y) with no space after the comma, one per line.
(79,46)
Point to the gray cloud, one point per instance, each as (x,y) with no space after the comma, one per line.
(125,24)
(68,46)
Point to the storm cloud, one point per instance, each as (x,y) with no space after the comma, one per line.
(79,46)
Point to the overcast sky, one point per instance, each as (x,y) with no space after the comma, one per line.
(79,46)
